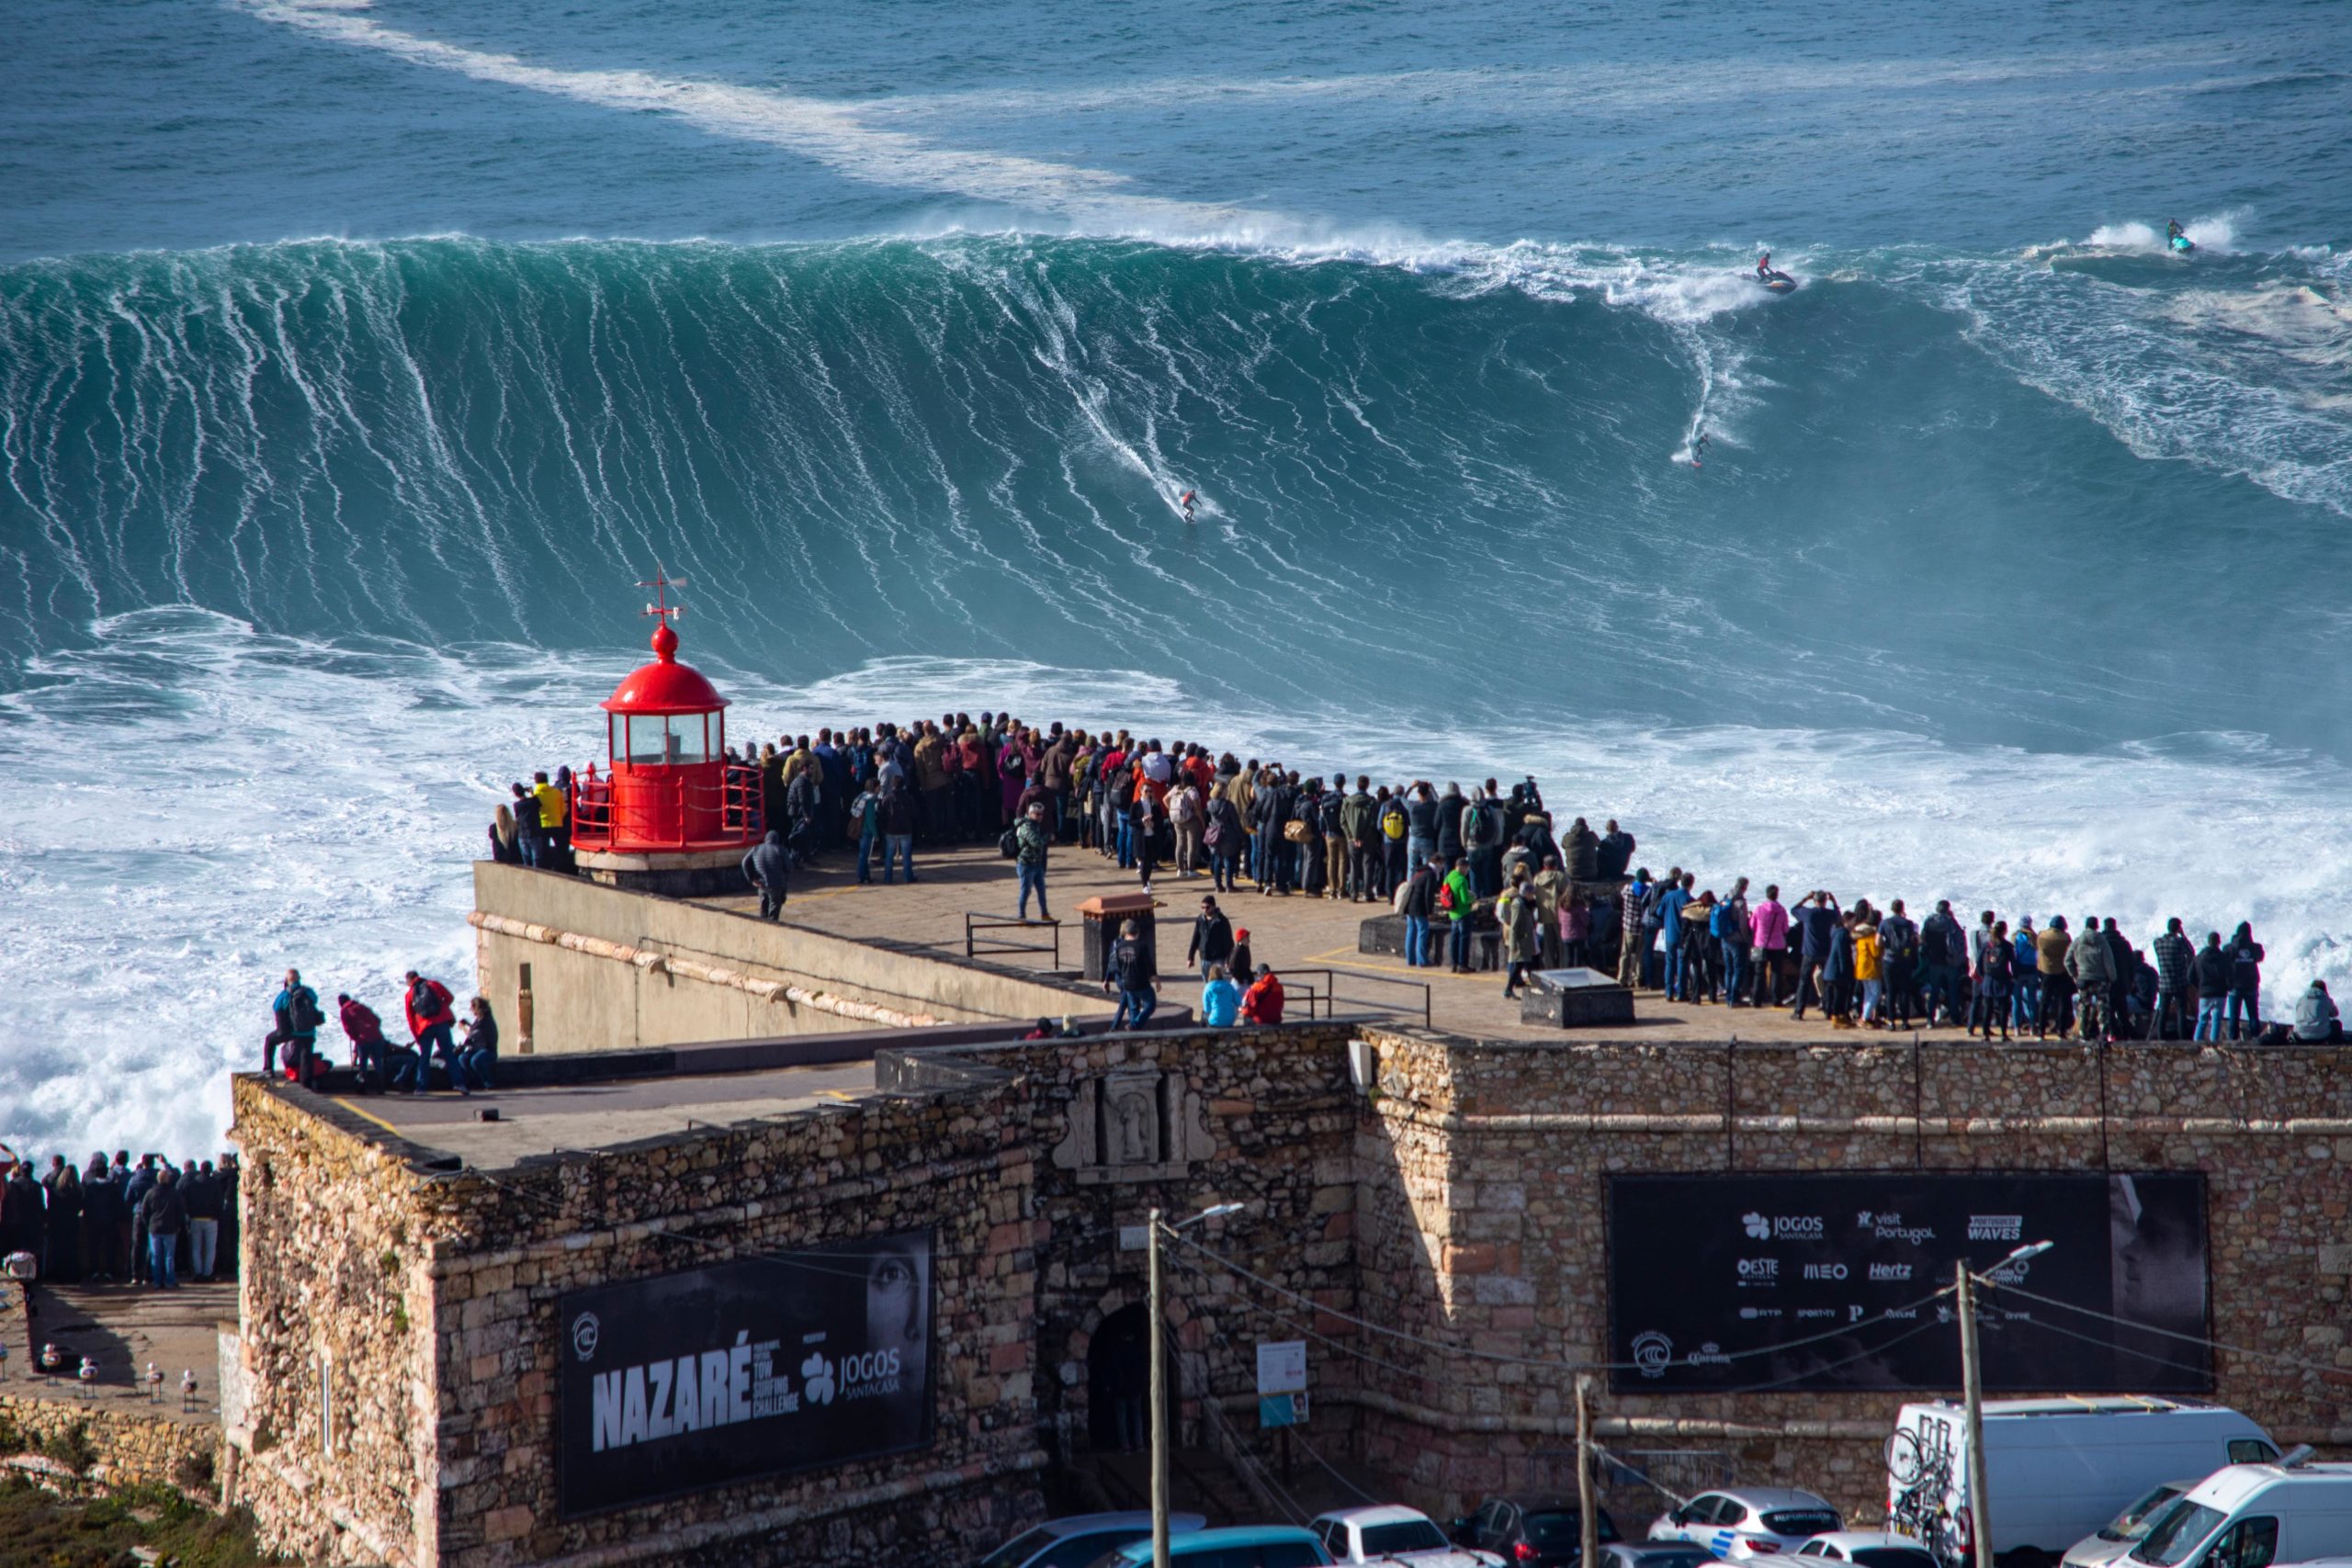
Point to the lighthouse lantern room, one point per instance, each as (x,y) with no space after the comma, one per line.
(670,812)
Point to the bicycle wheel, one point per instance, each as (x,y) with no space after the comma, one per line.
(1905,1457)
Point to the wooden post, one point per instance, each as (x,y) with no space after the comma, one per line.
(1971,1374)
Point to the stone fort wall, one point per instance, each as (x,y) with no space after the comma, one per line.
(1456,1196)
(1481,1222)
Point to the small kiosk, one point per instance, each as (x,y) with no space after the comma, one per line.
(670,814)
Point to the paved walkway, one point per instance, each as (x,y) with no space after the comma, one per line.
(1298,935)
(122,1328)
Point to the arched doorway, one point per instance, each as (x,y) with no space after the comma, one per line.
(1118,1382)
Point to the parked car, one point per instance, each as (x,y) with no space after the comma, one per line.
(2115,1536)
(1245,1546)
(1531,1527)
(1075,1541)
(1740,1523)
(1654,1554)
(1391,1532)
(2060,1468)
(2252,1516)
(1869,1549)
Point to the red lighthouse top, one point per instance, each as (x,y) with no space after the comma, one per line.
(670,786)
(664,686)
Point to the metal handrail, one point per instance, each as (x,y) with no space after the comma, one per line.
(594,818)
(1327,997)
(974,924)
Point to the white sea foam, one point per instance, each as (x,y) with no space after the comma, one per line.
(203,805)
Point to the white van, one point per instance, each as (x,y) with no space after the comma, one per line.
(2059,1469)
(2251,1516)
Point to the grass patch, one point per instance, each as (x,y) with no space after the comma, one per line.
(100,1533)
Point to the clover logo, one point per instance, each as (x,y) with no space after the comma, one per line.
(818,1373)
(1756,1225)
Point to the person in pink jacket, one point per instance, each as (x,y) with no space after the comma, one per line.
(1771,919)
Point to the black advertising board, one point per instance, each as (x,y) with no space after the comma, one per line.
(747,1368)
(1797,1282)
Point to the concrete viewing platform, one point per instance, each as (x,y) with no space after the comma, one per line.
(122,1329)
(1298,935)
(547,1119)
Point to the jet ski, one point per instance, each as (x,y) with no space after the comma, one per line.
(1776,280)
(2182,244)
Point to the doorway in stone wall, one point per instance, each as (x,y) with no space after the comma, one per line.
(1118,1383)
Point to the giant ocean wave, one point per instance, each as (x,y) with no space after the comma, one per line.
(2007,575)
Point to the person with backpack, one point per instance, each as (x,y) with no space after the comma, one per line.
(2245,983)
(164,1211)
(1632,930)
(1456,900)
(297,1012)
(2210,973)
(1482,841)
(1991,1000)
(1396,862)
(1129,971)
(865,822)
(370,1052)
(2090,963)
(432,1023)
(1898,940)
(1031,839)
(1186,815)
(1223,838)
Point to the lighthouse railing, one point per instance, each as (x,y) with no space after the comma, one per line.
(687,812)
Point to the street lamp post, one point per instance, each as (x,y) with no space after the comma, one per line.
(1972,1382)
(1159,1309)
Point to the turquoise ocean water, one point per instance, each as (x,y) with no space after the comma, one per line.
(356,358)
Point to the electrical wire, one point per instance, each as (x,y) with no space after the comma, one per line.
(2284,1361)
(1496,1356)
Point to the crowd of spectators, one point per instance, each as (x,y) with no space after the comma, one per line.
(381,1064)
(112,1222)
(1459,865)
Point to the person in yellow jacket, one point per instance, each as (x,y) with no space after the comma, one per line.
(1870,968)
(555,826)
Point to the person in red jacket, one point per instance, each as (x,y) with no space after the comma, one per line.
(371,1054)
(1262,1003)
(430,1020)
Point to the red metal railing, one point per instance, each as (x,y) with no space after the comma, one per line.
(657,813)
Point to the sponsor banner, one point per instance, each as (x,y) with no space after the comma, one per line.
(748,1368)
(1800,1282)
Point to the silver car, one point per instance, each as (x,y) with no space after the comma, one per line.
(1742,1523)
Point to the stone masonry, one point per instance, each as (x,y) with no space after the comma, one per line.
(399,1337)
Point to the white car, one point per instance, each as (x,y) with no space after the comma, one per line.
(1740,1524)
(1389,1532)
(2116,1537)
(1867,1548)
(1078,1539)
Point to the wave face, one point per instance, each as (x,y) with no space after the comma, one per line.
(2014,577)
(1409,464)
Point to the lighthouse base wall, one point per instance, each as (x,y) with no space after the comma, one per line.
(576,965)
(668,873)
